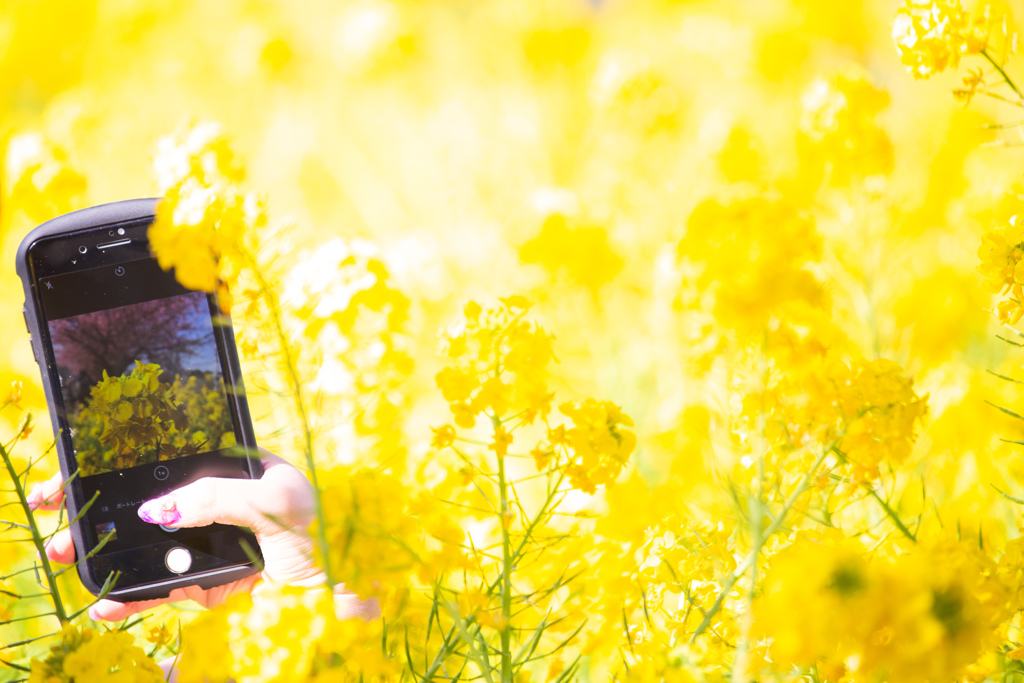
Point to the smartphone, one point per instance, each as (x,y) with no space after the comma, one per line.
(145,394)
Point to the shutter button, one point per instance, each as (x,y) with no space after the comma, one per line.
(178,560)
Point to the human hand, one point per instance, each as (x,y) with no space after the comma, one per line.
(277,507)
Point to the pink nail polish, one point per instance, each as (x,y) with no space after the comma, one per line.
(159,511)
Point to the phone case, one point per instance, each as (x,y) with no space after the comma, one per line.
(101,216)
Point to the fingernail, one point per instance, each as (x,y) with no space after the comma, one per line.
(159,511)
(94,613)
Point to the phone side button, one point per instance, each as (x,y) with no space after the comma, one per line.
(178,560)
(24,316)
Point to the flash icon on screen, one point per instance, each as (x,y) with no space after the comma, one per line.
(49,285)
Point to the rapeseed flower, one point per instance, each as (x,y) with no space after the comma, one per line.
(753,234)
(932,35)
(88,655)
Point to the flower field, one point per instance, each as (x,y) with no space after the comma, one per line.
(661,340)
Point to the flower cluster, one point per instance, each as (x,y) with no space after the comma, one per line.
(838,128)
(752,257)
(133,419)
(88,655)
(1002,266)
(485,347)
(597,445)
(921,616)
(866,411)
(376,544)
(754,234)
(44,182)
(203,225)
(252,639)
(933,35)
(341,301)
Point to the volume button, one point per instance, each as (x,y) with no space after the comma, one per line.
(31,342)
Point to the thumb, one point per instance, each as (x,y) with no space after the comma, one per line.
(212,500)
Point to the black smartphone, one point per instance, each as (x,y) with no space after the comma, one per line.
(145,393)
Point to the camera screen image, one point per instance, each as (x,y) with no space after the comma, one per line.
(142,383)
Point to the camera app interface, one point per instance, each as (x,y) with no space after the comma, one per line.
(143,396)
(141,383)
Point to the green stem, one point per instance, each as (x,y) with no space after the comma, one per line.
(893,516)
(480,657)
(37,540)
(289,362)
(506,576)
(749,560)
(756,514)
(1006,78)
(439,658)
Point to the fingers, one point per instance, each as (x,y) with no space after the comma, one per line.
(60,548)
(47,495)
(282,498)
(270,459)
(349,605)
(108,610)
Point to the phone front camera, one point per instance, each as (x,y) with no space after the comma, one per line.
(82,250)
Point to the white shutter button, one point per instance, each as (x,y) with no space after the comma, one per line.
(178,560)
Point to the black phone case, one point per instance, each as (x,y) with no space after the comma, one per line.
(108,215)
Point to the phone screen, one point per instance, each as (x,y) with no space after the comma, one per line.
(144,404)
(141,382)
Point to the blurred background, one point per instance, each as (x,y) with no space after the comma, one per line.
(554,149)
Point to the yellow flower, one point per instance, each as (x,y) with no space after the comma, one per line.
(502,440)
(814,595)
(932,35)
(752,258)
(282,634)
(135,418)
(580,254)
(1002,266)
(456,385)
(598,443)
(922,616)
(484,339)
(444,436)
(868,408)
(44,184)
(107,657)
(375,542)
(204,226)
(838,134)
(158,634)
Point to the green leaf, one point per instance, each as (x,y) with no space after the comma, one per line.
(1007,496)
(1009,341)
(1005,410)
(1008,379)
